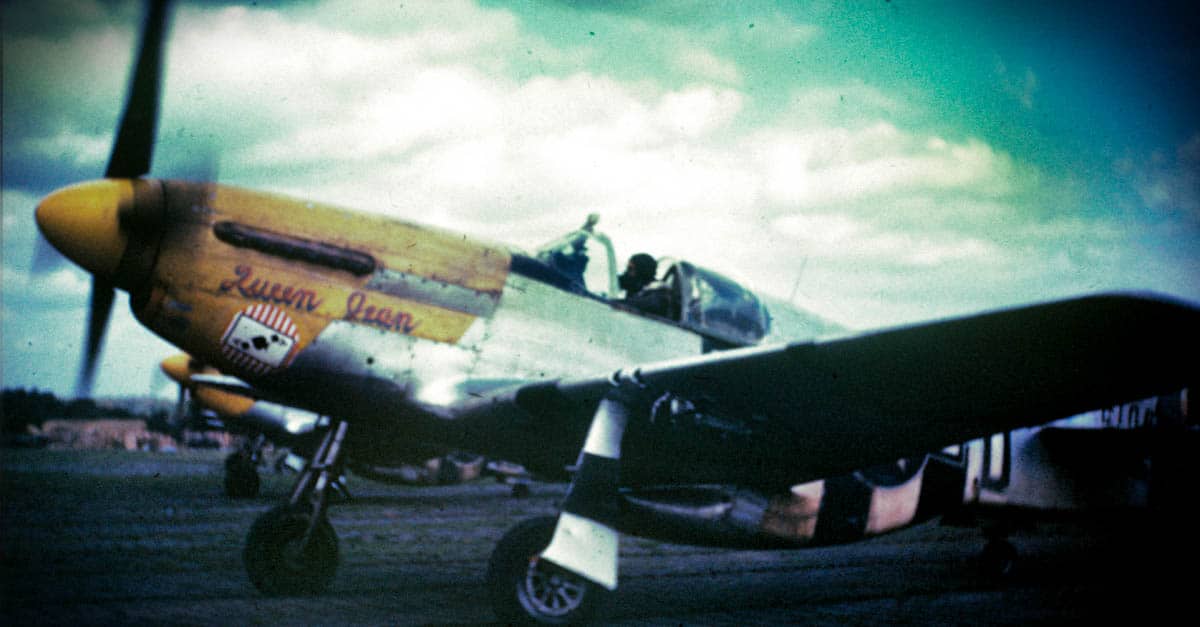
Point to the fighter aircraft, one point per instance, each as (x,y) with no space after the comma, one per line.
(704,423)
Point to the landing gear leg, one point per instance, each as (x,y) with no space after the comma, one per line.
(292,549)
(558,570)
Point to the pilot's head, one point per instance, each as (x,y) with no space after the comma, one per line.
(639,273)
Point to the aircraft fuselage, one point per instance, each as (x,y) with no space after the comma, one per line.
(377,320)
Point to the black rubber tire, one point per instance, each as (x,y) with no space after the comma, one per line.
(241,477)
(524,589)
(997,560)
(275,563)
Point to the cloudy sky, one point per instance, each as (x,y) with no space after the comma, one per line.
(881,164)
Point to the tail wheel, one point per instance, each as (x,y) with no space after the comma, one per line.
(280,562)
(241,476)
(997,560)
(528,590)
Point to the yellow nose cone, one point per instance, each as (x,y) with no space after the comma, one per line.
(180,368)
(83,222)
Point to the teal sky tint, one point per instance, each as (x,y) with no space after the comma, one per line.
(881,162)
(1069,87)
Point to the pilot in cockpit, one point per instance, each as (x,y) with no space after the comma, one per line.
(639,273)
(642,291)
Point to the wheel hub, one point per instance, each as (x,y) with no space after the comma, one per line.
(550,592)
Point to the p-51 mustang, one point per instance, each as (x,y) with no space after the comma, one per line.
(710,423)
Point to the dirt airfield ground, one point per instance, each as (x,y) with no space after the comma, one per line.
(148,538)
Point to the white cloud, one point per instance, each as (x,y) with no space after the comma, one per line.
(703,64)
(81,149)
(302,80)
(843,237)
(672,171)
(698,111)
(435,105)
(850,102)
(820,166)
(459,24)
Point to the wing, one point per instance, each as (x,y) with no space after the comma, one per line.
(833,407)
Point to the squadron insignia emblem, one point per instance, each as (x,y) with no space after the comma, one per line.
(260,339)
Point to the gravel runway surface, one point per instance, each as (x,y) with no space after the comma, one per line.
(148,538)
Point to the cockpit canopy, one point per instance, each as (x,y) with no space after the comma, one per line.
(715,305)
(585,258)
(583,262)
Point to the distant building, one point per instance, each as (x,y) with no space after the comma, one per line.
(129,434)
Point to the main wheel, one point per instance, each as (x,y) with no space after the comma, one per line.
(241,476)
(528,590)
(279,564)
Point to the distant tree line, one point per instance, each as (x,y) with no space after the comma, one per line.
(20,408)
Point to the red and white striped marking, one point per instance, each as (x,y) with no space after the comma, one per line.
(260,339)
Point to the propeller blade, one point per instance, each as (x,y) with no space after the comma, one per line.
(98,313)
(130,158)
(134,146)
